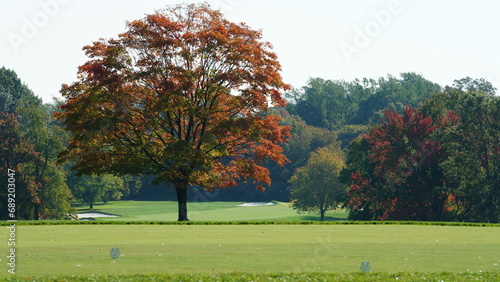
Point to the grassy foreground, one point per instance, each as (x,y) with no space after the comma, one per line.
(212,250)
(238,276)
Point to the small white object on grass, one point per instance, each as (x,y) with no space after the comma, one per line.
(94,215)
(259,204)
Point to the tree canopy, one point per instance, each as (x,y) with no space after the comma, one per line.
(13,92)
(179,96)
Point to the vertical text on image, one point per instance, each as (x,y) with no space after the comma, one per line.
(11,208)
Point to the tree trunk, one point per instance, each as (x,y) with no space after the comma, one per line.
(37,212)
(182,202)
(322,212)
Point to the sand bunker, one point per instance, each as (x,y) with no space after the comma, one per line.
(256,204)
(94,215)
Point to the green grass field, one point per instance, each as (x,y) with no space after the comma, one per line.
(147,249)
(204,211)
(256,252)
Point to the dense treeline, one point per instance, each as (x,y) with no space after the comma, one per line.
(413,150)
(325,112)
(438,162)
(30,142)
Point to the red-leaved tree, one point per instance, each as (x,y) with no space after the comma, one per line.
(180,96)
(406,182)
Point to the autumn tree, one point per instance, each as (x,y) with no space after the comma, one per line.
(359,173)
(177,96)
(405,181)
(316,187)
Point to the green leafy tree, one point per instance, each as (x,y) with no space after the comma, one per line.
(44,195)
(316,187)
(393,93)
(471,156)
(14,93)
(305,139)
(323,103)
(17,154)
(90,189)
(48,139)
(469,84)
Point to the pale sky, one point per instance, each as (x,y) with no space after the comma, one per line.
(332,39)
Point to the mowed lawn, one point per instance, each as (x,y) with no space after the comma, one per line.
(204,211)
(145,249)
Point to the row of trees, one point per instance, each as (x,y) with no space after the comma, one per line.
(183,96)
(29,146)
(328,112)
(438,162)
(449,170)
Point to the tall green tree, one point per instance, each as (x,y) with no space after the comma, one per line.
(13,92)
(471,152)
(90,189)
(323,103)
(48,139)
(316,187)
(44,195)
(16,154)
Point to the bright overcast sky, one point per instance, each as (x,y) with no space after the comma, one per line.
(41,40)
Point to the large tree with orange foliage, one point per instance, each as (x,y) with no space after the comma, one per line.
(180,96)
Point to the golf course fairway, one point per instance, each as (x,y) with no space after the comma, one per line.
(61,250)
